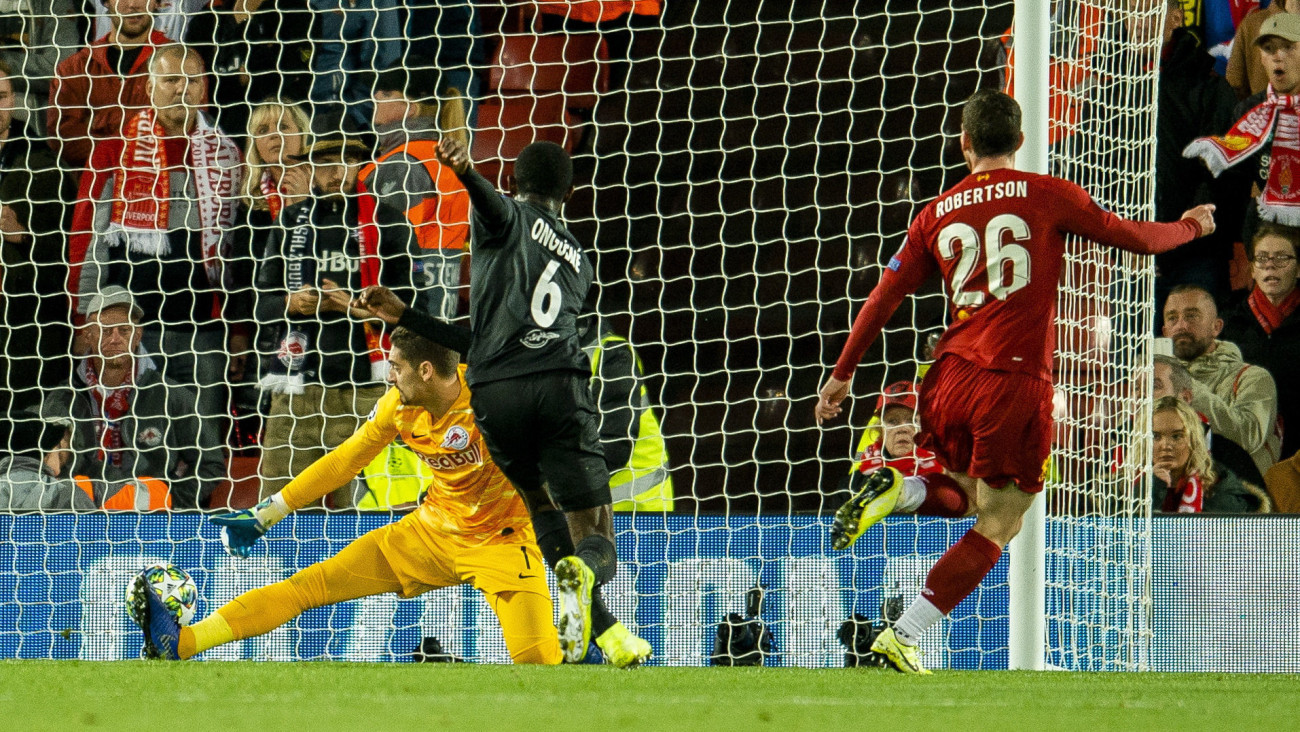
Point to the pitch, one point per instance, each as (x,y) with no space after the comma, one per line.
(62,695)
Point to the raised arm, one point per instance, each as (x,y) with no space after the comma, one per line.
(483,196)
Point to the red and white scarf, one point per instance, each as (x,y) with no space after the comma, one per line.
(1272,316)
(1186,497)
(142,190)
(110,406)
(274,197)
(377,341)
(1275,118)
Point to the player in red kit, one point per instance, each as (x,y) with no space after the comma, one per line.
(998,238)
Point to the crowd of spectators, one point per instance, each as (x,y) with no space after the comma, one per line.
(221,179)
(191,212)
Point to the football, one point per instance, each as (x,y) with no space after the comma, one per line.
(174,585)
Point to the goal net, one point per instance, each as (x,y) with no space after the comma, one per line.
(743,171)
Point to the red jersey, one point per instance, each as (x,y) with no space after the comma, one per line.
(919,462)
(998,238)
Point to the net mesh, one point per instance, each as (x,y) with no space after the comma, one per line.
(742,170)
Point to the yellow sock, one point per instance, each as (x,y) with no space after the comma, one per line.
(208,633)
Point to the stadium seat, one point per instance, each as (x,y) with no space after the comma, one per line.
(574,65)
(506,125)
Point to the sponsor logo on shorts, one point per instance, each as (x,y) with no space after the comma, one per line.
(538,338)
(451,461)
(457,438)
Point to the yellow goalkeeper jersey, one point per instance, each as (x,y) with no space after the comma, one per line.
(469,500)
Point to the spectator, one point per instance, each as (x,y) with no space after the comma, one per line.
(447,35)
(35,336)
(1246,72)
(413,189)
(1264,324)
(1171,378)
(325,376)
(258,51)
(1186,478)
(630,432)
(278,135)
(170,17)
(165,208)
(1194,102)
(99,87)
(32,464)
(136,434)
(1283,483)
(1240,400)
(351,39)
(895,439)
(1263,147)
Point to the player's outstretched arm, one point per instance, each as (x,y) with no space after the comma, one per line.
(1093,222)
(240,530)
(383,304)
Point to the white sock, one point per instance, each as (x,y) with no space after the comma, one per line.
(917,619)
(912,495)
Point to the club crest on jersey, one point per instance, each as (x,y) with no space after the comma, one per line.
(149,437)
(538,338)
(293,349)
(457,438)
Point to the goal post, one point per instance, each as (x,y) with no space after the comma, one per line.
(1031,37)
(744,170)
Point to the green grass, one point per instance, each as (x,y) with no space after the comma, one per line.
(139,695)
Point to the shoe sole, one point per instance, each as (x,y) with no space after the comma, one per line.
(575,608)
(138,609)
(851,513)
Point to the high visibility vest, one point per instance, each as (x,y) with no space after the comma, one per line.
(440,221)
(645,483)
(141,494)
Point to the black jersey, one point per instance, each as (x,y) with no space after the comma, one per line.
(528,280)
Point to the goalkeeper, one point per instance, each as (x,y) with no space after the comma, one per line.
(471,528)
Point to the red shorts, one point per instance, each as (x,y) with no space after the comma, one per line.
(992,425)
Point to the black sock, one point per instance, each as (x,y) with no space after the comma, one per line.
(601,617)
(553,536)
(599,554)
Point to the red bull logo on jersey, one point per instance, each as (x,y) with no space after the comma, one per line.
(454,460)
(981,194)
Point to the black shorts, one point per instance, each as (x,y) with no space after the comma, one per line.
(543,429)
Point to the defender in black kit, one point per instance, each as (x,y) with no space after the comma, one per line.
(529,381)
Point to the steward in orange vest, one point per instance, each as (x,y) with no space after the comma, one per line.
(410,185)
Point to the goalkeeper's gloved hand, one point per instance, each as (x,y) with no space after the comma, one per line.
(240,530)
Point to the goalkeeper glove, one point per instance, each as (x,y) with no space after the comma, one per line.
(240,530)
